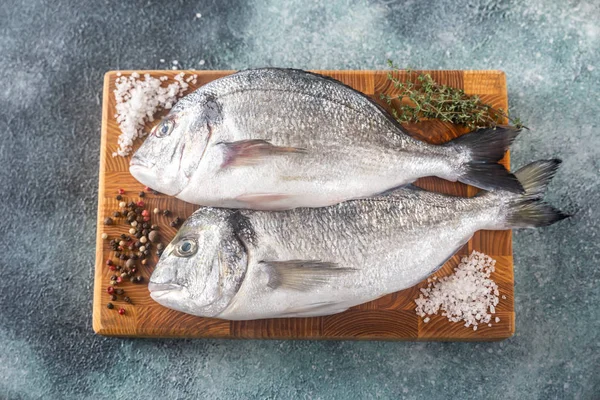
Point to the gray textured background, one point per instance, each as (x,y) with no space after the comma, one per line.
(53,57)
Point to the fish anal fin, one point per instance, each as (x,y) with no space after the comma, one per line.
(264,201)
(302,275)
(252,152)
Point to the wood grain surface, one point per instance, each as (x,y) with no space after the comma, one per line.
(389,318)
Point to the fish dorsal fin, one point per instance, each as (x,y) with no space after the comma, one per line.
(252,152)
(302,275)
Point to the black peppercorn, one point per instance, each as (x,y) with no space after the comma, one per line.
(140,218)
(108,221)
(146,253)
(142,194)
(139,279)
(154,227)
(119,197)
(113,297)
(113,278)
(123,236)
(132,279)
(145,232)
(123,257)
(155,192)
(126,299)
(159,253)
(118,254)
(153,236)
(119,291)
(131,204)
(138,234)
(116,214)
(134,256)
(145,225)
(110,306)
(166,213)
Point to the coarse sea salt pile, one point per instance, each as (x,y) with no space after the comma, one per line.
(139,99)
(467,295)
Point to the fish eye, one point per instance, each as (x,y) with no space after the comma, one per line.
(186,248)
(164,128)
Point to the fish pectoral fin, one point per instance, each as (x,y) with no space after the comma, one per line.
(302,275)
(251,152)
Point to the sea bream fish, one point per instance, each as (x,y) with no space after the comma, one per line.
(276,139)
(246,264)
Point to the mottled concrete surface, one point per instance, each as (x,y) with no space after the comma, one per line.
(53,57)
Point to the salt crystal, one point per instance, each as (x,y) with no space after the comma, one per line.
(174,62)
(162,60)
(468,295)
(201,62)
(138,100)
(198,15)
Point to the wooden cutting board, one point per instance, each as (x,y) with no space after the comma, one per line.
(389,318)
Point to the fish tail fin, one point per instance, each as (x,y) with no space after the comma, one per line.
(527,210)
(483,149)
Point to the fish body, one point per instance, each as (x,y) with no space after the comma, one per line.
(244,264)
(276,139)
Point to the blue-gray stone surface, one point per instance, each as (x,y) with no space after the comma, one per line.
(53,57)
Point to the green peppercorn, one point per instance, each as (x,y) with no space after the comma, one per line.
(110,306)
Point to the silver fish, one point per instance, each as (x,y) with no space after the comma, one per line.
(276,139)
(244,264)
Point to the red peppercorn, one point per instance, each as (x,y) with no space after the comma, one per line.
(147,219)
(121,191)
(109,262)
(112,268)
(140,203)
(119,279)
(145,213)
(133,270)
(121,311)
(147,189)
(110,290)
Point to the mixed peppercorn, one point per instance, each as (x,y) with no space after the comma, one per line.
(133,248)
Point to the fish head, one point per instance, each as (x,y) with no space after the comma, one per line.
(173,149)
(202,268)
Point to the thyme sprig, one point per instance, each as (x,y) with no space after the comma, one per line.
(431,100)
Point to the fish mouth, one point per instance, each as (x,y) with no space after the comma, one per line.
(138,162)
(160,289)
